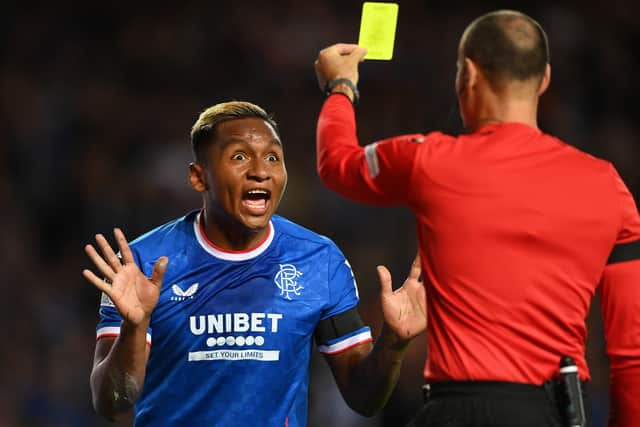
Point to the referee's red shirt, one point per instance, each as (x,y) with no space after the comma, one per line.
(515,230)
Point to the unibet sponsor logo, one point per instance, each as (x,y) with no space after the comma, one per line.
(234,322)
(253,324)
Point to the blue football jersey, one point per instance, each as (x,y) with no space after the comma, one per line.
(232,334)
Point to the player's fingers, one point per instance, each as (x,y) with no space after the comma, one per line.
(97,282)
(158,271)
(384,276)
(416,268)
(123,245)
(108,253)
(99,262)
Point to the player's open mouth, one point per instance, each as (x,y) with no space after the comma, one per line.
(256,201)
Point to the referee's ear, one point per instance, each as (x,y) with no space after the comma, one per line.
(546,80)
(197,177)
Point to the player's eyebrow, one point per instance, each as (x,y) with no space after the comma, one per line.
(242,141)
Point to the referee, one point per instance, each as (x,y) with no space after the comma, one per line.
(517,231)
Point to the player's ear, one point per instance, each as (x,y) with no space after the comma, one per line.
(197,177)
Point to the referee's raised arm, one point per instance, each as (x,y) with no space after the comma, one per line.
(378,173)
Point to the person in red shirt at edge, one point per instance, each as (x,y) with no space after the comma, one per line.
(517,230)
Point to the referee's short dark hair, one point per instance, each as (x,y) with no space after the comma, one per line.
(203,130)
(507,45)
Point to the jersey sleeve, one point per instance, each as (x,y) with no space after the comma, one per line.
(340,326)
(620,303)
(110,319)
(379,173)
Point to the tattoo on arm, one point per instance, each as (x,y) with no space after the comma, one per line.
(125,391)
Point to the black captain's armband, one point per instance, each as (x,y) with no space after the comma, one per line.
(625,252)
(338,326)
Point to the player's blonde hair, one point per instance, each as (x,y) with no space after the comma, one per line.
(203,130)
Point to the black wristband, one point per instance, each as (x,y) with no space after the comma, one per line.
(331,84)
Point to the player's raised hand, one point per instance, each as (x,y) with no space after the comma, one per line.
(134,295)
(339,61)
(405,309)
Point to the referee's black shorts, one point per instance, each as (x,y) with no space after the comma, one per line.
(492,404)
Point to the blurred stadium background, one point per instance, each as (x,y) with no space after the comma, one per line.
(96,102)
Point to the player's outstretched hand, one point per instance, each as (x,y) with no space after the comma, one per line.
(134,295)
(339,61)
(405,309)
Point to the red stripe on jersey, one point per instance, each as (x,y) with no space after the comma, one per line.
(106,335)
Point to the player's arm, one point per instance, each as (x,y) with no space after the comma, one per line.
(118,371)
(620,303)
(119,364)
(367,373)
(377,174)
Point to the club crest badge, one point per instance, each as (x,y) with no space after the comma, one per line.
(286,280)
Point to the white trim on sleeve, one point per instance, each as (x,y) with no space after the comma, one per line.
(347,343)
(114,331)
(371,155)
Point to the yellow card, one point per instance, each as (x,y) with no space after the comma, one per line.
(378,29)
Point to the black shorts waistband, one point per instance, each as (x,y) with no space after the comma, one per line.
(482,403)
(472,387)
(549,390)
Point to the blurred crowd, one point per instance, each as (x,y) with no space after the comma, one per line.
(96,103)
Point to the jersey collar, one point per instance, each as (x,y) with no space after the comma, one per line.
(228,255)
(494,126)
